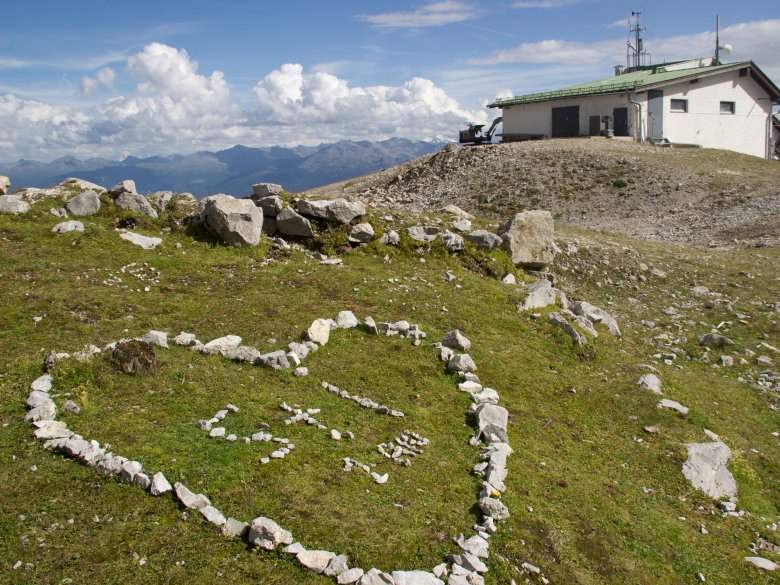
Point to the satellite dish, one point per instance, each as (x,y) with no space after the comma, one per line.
(726,49)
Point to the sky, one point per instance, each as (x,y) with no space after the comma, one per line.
(113,79)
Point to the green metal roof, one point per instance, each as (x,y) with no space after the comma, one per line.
(627,82)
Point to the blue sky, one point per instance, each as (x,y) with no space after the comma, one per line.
(112,79)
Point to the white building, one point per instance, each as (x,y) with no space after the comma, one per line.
(693,102)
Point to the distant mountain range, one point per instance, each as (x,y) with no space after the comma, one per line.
(232,171)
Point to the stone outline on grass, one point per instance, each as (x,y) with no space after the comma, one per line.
(491,429)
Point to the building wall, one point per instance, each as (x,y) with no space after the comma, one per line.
(537,118)
(743,131)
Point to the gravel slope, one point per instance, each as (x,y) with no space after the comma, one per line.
(697,197)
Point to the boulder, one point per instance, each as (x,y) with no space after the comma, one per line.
(235,221)
(189,499)
(391,238)
(706,469)
(222,345)
(491,422)
(763,563)
(160,200)
(714,340)
(651,382)
(290,223)
(540,294)
(672,405)
(560,321)
(74,183)
(485,240)
(270,227)
(346,320)
(267,534)
(125,186)
(13,204)
(451,241)
(270,204)
(349,576)
(461,363)
(315,560)
(336,210)
(235,528)
(260,190)
(457,212)
(528,237)
(462,225)
(68,226)
(211,514)
(319,331)
(85,203)
(493,508)
(135,203)
(361,233)
(422,233)
(136,358)
(595,315)
(5,184)
(159,485)
(456,340)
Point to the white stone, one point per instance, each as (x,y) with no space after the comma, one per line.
(350,576)
(319,331)
(763,563)
(706,469)
(213,515)
(67,227)
(651,382)
(42,384)
(188,499)
(315,560)
(267,534)
(456,340)
(346,320)
(144,242)
(415,578)
(673,405)
(158,338)
(160,484)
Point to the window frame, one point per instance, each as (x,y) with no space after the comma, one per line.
(677,102)
(732,108)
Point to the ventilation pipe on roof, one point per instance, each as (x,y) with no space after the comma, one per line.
(640,123)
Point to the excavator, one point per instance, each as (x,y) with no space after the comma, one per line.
(474,136)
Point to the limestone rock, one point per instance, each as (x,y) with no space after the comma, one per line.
(485,240)
(361,233)
(158,338)
(135,203)
(349,576)
(415,578)
(277,360)
(211,514)
(160,200)
(270,204)
(715,340)
(160,484)
(763,563)
(337,565)
(262,190)
(86,203)
(5,184)
(452,242)
(476,545)
(462,225)
(291,223)
(42,383)
(267,534)
(651,382)
(144,242)
(319,331)
(456,340)
(68,226)
(346,320)
(125,186)
(188,499)
(390,238)
(461,363)
(706,469)
(235,528)
(559,320)
(673,405)
(336,210)
(376,577)
(492,422)
(493,508)
(595,315)
(528,237)
(12,204)
(457,212)
(235,221)
(222,345)
(422,234)
(315,560)
(540,294)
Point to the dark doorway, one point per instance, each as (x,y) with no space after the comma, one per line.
(655,113)
(620,117)
(595,125)
(566,121)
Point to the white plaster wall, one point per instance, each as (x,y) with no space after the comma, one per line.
(703,124)
(537,118)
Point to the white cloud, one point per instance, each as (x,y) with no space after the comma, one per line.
(176,109)
(89,85)
(556,51)
(543,3)
(432,14)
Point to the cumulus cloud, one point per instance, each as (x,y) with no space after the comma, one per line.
(105,77)
(556,51)
(428,15)
(174,108)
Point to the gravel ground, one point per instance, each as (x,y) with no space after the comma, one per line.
(689,196)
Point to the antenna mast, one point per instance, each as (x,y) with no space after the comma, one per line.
(717,40)
(636,56)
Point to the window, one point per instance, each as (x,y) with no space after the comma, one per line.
(726,107)
(679,105)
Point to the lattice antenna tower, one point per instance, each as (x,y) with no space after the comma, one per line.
(636,56)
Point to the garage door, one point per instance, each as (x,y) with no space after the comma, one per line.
(566,121)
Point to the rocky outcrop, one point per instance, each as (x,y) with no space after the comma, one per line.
(528,238)
(290,223)
(86,203)
(706,469)
(235,221)
(337,210)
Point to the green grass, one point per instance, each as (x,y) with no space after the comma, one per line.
(577,462)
